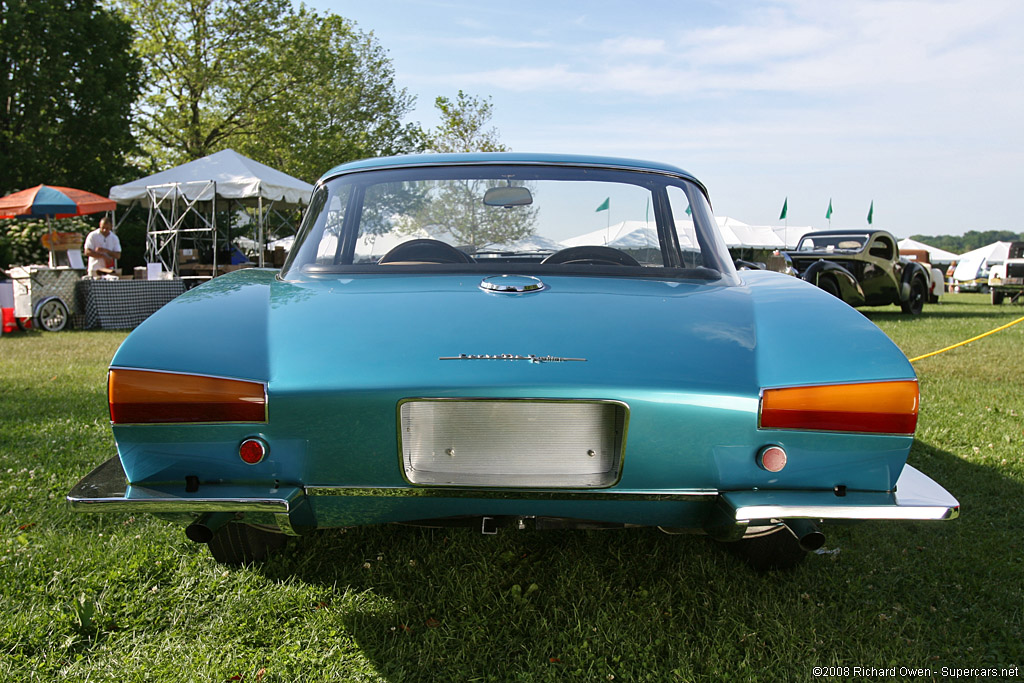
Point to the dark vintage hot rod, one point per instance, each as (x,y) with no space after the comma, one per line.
(861,267)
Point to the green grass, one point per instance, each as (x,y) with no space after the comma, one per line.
(118,598)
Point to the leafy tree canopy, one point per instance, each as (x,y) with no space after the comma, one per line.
(68,78)
(456,207)
(463,126)
(292,88)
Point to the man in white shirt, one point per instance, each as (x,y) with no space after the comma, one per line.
(102,247)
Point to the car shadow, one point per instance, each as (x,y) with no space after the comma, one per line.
(637,604)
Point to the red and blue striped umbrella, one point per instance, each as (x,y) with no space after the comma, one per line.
(53,202)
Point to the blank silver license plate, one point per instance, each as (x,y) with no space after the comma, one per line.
(515,444)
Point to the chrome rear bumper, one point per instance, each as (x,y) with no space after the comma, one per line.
(106,489)
(915,497)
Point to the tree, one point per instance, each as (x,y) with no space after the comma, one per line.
(292,88)
(463,126)
(347,106)
(68,78)
(456,207)
(970,240)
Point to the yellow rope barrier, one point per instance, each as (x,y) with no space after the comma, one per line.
(968,341)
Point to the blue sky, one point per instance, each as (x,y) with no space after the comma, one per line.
(917,106)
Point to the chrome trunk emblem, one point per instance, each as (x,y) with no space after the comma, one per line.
(511,284)
(513,356)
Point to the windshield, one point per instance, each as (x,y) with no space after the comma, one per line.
(849,243)
(513,218)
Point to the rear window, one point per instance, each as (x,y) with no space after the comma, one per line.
(850,243)
(519,218)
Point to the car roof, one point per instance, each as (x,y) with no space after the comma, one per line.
(851,231)
(408,160)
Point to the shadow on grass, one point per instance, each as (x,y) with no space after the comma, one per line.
(640,605)
(993,312)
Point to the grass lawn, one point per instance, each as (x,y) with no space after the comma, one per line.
(118,598)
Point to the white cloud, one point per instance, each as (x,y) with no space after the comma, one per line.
(628,45)
(799,48)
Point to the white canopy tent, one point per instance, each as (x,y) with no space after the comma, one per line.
(640,234)
(791,234)
(994,253)
(935,255)
(736,233)
(622,235)
(236,177)
(184,199)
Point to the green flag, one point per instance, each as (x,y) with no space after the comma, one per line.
(828,214)
(605,205)
(871,212)
(785,209)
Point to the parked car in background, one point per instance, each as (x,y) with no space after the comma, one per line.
(863,268)
(971,274)
(1007,278)
(937,280)
(433,353)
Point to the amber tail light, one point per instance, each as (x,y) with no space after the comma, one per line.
(146,396)
(871,407)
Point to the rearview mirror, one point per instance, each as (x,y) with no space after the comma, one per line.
(508,196)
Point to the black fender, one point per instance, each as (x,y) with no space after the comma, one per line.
(849,288)
(912,269)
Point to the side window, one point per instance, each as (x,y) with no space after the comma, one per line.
(687,234)
(882,248)
(327,250)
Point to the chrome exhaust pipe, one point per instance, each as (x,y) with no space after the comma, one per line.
(203,529)
(806,533)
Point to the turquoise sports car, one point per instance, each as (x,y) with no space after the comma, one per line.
(515,340)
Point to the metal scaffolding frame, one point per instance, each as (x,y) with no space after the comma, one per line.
(170,211)
(189,210)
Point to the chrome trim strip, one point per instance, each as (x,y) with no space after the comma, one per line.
(190,374)
(122,504)
(506,494)
(512,356)
(895,512)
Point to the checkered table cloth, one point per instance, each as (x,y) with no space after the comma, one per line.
(123,304)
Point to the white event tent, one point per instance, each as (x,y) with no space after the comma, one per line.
(184,199)
(621,235)
(739,234)
(994,253)
(640,234)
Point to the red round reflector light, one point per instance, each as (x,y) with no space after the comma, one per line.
(252,451)
(771,458)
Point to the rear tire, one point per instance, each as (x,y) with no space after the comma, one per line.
(238,544)
(773,551)
(997,297)
(918,293)
(829,285)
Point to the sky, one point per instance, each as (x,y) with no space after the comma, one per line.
(916,106)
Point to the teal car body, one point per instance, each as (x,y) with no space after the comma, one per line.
(413,390)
